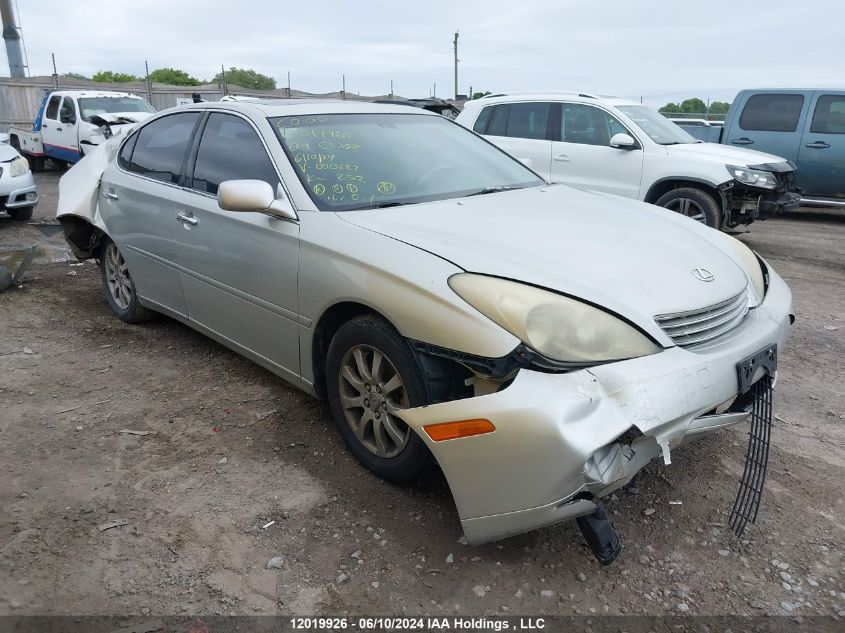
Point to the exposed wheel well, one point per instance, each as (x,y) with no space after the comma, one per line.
(83,237)
(327,326)
(663,187)
(445,378)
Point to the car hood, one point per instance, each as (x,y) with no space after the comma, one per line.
(715,152)
(7,153)
(632,258)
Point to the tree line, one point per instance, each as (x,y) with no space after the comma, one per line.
(243,77)
(696,106)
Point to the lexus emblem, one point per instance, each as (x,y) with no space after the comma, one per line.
(702,274)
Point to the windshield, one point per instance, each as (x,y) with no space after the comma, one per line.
(90,106)
(661,130)
(358,161)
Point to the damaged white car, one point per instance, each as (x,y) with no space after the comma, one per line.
(539,343)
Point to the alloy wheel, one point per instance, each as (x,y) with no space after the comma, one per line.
(689,208)
(117,277)
(371,391)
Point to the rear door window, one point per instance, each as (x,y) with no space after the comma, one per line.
(772,112)
(499,120)
(53,108)
(162,146)
(230,149)
(829,115)
(528,120)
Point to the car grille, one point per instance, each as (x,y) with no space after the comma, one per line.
(699,326)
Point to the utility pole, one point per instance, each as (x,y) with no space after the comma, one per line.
(434,94)
(288,84)
(55,74)
(456,64)
(343,91)
(223,87)
(12,37)
(391,88)
(148,83)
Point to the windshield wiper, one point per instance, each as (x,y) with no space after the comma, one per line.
(384,205)
(495,189)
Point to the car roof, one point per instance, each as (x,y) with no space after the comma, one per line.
(561,95)
(294,107)
(93,93)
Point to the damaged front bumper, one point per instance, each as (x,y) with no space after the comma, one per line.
(563,439)
(746,204)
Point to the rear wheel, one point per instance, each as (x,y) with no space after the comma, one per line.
(371,373)
(694,203)
(118,286)
(21,214)
(36,163)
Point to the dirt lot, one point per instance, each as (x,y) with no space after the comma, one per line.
(228,449)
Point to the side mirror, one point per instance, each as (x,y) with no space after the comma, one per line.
(67,117)
(253,196)
(623,141)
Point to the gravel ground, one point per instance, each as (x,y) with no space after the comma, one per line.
(148,470)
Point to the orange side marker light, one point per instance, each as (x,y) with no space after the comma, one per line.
(455,430)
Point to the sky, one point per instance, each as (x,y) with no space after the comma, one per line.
(657,50)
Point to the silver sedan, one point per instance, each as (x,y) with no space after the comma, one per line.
(540,344)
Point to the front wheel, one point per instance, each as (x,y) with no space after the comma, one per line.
(118,286)
(371,373)
(694,203)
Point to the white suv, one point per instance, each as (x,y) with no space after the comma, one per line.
(625,148)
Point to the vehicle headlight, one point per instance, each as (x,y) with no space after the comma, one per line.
(752,265)
(753,177)
(557,327)
(19,166)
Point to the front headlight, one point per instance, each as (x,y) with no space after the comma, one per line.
(19,166)
(753,177)
(752,265)
(557,327)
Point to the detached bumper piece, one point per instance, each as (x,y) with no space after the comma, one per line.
(600,536)
(750,491)
(778,204)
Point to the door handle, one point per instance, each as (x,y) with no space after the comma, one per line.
(187,219)
(742,141)
(562,158)
(818,145)
(110,195)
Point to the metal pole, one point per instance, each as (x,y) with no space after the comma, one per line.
(343,91)
(288,84)
(55,74)
(12,36)
(391,88)
(148,83)
(223,87)
(456,64)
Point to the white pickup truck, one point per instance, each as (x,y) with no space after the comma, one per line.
(70,123)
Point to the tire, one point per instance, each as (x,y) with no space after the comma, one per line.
(118,286)
(376,437)
(21,214)
(36,164)
(694,203)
